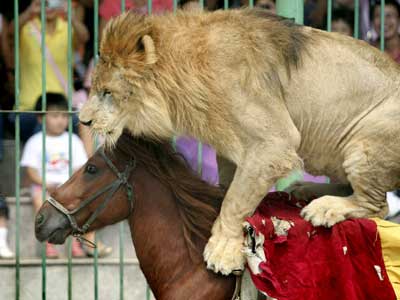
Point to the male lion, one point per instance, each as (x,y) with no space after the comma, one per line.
(268,95)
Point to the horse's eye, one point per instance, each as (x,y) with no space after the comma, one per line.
(91,169)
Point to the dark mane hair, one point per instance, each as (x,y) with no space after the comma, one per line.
(198,202)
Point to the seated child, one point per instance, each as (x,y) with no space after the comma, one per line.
(56,157)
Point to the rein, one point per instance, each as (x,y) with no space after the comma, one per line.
(111,189)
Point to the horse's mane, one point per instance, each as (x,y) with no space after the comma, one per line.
(198,202)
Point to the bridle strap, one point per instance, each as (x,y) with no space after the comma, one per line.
(111,189)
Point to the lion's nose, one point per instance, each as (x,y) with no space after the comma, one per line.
(87,123)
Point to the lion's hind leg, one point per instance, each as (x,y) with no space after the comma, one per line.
(370,179)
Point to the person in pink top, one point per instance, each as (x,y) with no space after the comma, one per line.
(112,8)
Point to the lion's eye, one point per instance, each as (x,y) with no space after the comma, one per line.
(106,93)
(91,169)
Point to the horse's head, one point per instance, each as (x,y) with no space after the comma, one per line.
(98,194)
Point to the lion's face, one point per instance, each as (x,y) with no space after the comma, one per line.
(118,101)
(103,111)
(124,92)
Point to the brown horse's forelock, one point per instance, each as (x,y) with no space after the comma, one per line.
(198,202)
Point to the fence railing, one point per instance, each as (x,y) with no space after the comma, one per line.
(288,8)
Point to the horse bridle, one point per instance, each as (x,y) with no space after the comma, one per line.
(122,180)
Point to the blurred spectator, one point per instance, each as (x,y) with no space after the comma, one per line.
(56,155)
(7,63)
(342,21)
(5,251)
(7,43)
(391,27)
(393,199)
(266,4)
(190,5)
(315,13)
(112,8)
(56,58)
(57,161)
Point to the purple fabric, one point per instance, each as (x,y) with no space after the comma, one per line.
(188,147)
(316,179)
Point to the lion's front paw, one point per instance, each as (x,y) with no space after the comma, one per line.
(325,211)
(224,254)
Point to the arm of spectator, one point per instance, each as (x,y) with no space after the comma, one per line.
(212,4)
(319,14)
(81,34)
(33,175)
(32,11)
(35,178)
(6,48)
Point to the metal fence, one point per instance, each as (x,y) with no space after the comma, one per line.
(288,8)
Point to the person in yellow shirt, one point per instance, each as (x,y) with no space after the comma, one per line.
(56,60)
(56,66)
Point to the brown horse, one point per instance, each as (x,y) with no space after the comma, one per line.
(170,212)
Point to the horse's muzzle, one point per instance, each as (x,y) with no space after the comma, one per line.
(51,225)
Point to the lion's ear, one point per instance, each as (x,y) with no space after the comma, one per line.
(146,44)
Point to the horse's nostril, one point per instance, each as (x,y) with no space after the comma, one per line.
(88,123)
(39,219)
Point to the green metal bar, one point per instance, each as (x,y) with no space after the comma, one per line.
(201,3)
(293,9)
(149,12)
(96,57)
(226,4)
(96,31)
(329,16)
(123,6)
(356,32)
(382,35)
(121,231)
(121,261)
(147,293)
(174,137)
(96,270)
(174,143)
(251,3)
(69,96)
(43,50)
(17,153)
(287,181)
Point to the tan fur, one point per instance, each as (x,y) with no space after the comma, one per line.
(268,95)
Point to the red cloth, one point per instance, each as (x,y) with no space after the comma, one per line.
(312,263)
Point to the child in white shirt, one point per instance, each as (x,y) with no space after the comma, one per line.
(56,157)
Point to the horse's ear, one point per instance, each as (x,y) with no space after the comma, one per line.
(146,45)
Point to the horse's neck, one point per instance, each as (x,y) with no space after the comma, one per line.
(163,253)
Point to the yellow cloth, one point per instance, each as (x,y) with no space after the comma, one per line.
(389,233)
(31,62)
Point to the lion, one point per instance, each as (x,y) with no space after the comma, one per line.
(269,95)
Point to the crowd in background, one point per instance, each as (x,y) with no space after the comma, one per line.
(315,15)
